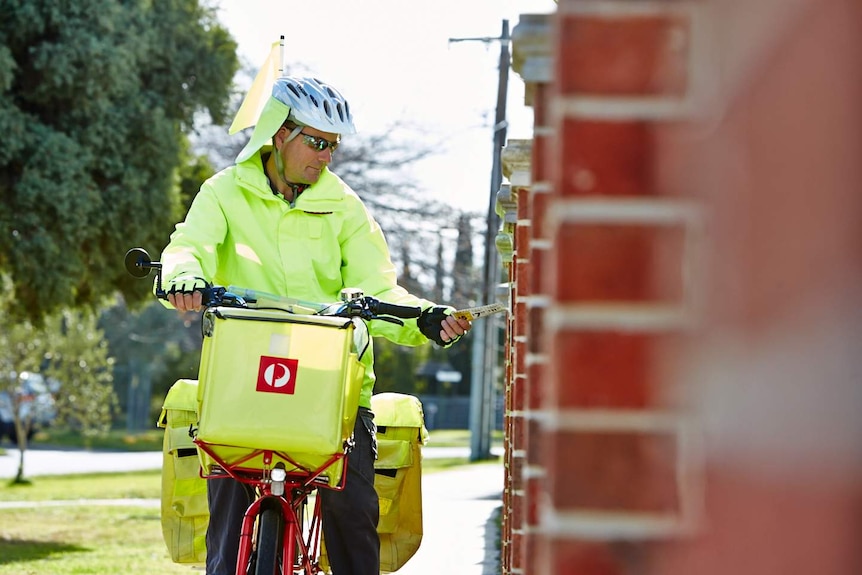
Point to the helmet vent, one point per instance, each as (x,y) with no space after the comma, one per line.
(314,103)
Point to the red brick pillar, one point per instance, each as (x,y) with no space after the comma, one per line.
(510,378)
(512,245)
(525,472)
(534,472)
(612,449)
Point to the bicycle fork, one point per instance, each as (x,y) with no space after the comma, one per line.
(295,553)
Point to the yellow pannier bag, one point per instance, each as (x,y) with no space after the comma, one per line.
(184,509)
(281,382)
(398,476)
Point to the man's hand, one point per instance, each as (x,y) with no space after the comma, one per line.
(189,301)
(440,327)
(185,295)
(454,328)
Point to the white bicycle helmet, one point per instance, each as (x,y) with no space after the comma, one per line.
(315,104)
(306,101)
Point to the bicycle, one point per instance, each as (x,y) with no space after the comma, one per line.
(285,470)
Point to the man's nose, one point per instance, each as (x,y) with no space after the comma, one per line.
(325,155)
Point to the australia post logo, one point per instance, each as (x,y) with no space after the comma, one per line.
(277,375)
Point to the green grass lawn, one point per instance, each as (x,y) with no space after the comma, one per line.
(82,540)
(119,440)
(458,438)
(132,485)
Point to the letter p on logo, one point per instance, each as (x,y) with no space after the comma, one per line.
(277,375)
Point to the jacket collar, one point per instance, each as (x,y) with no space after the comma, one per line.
(329,189)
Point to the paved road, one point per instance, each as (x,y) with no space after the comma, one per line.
(60,462)
(39,461)
(460,531)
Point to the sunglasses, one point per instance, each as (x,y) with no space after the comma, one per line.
(319,144)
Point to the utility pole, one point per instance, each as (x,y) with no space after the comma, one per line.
(485,347)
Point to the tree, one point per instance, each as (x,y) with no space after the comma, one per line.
(23,348)
(466,285)
(68,348)
(152,347)
(79,359)
(407,279)
(377,166)
(95,96)
(466,279)
(395,366)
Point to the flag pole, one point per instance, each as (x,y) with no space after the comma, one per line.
(259,92)
(281,58)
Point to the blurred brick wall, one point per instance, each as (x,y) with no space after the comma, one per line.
(686,348)
(777,371)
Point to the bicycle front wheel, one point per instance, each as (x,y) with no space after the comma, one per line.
(270,536)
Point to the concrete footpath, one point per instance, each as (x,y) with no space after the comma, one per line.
(460,505)
(459,522)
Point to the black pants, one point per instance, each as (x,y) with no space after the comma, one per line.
(349,517)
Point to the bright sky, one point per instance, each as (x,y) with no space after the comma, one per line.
(392,60)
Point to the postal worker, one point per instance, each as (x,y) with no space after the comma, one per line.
(281,222)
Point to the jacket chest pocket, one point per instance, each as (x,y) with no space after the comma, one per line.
(315,227)
(312,240)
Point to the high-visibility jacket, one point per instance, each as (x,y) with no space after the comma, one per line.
(237,232)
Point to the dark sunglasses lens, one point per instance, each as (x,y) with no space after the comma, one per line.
(319,144)
(313,142)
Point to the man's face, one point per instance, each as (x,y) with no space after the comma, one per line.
(303,161)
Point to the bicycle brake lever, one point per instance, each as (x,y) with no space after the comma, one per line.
(394,320)
(234,300)
(212,295)
(219,295)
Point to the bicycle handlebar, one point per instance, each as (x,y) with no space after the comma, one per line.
(395,310)
(353,304)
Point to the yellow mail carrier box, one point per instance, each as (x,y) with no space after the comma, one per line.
(277,381)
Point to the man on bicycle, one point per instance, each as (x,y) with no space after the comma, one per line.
(280,221)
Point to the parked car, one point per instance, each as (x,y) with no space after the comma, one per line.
(36,397)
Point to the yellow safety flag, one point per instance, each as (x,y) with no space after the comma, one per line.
(259,93)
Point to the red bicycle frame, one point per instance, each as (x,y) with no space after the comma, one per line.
(300,548)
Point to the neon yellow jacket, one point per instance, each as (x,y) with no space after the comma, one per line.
(237,232)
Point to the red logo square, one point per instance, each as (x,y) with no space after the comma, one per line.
(277,375)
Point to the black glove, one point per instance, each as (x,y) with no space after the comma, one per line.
(186,284)
(430,323)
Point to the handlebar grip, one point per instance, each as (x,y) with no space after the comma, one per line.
(209,294)
(402,311)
